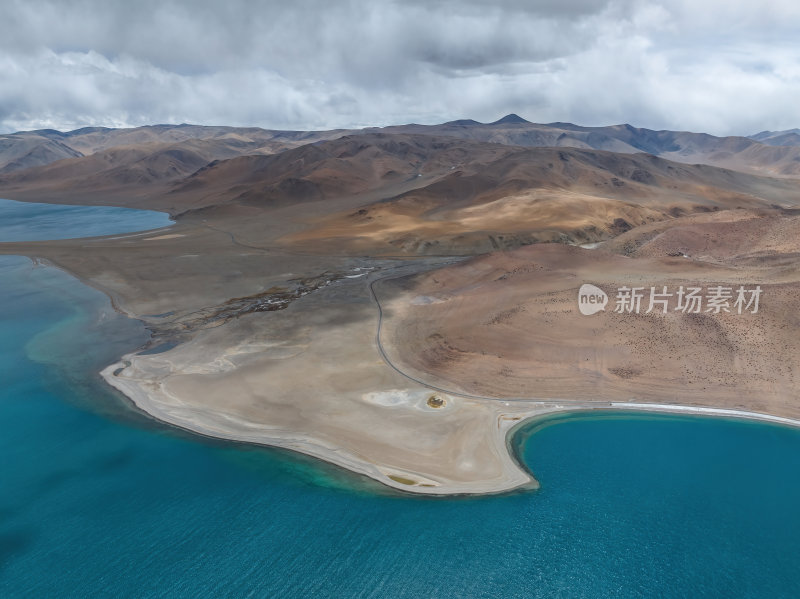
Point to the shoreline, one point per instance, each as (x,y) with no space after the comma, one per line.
(520,413)
(517,475)
(510,415)
(535,412)
(315,378)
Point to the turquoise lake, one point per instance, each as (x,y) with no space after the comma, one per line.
(97,500)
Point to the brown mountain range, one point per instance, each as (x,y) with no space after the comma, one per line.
(457,187)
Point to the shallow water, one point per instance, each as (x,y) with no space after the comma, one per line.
(97,501)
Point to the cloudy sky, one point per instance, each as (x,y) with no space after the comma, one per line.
(721,66)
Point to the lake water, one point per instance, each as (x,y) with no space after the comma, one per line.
(99,501)
(24,221)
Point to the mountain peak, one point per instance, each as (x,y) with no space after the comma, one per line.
(511,119)
(463,122)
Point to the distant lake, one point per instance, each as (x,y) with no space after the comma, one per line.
(97,500)
(24,221)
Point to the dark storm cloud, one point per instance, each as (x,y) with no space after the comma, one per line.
(717,66)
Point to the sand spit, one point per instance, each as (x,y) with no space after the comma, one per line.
(310,379)
(443,463)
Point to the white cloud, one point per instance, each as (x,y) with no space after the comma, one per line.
(723,67)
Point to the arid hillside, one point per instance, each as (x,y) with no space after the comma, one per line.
(530,195)
(508,324)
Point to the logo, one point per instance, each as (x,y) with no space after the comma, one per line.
(591,299)
(714,299)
